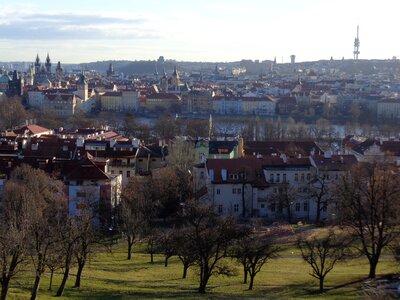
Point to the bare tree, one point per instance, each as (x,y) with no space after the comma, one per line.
(322,254)
(152,245)
(135,210)
(54,262)
(211,237)
(32,204)
(166,192)
(321,192)
(11,251)
(12,113)
(369,205)
(166,245)
(184,249)
(284,197)
(253,252)
(87,238)
(69,234)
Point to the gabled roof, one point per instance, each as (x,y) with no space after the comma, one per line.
(251,166)
(290,148)
(222,147)
(85,169)
(153,150)
(31,129)
(335,162)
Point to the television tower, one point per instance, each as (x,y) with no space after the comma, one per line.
(356,46)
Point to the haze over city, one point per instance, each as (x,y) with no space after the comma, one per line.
(82,31)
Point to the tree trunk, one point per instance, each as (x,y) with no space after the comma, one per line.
(204,276)
(4,288)
(251,281)
(35,288)
(318,212)
(65,277)
(185,268)
(289,214)
(243,202)
(51,279)
(245,274)
(130,244)
(166,261)
(151,257)
(321,284)
(372,268)
(81,265)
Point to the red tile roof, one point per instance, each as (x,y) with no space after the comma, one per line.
(32,129)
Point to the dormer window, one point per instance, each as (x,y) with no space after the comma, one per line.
(233,176)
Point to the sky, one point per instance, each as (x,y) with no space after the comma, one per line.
(75,31)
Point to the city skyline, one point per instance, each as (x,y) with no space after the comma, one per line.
(214,31)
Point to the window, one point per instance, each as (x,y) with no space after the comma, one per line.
(112,172)
(271,178)
(278,177)
(140,159)
(233,191)
(120,172)
(297,206)
(218,191)
(263,205)
(302,177)
(81,194)
(308,176)
(128,174)
(236,207)
(233,176)
(220,209)
(296,177)
(239,191)
(284,177)
(305,206)
(272,207)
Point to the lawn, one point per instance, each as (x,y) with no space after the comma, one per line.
(111,276)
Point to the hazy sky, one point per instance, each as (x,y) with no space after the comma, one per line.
(208,30)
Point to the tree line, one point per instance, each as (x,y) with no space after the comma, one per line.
(162,213)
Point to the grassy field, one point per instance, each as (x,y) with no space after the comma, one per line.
(111,276)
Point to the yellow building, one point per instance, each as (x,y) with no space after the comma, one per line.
(162,101)
(111,101)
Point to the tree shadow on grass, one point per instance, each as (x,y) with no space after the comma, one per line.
(346,284)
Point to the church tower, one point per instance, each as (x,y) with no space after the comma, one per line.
(48,65)
(175,79)
(37,64)
(82,87)
(59,72)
